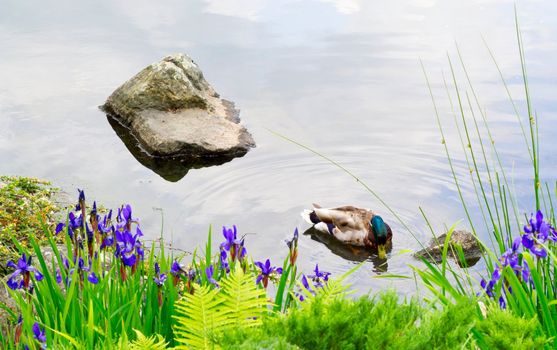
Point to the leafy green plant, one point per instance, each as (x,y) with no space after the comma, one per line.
(207,312)
(154,342)
(26,204)
(521,261)
(502,330)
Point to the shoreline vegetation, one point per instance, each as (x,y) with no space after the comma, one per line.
(107,290)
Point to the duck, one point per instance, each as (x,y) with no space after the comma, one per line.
(352,226)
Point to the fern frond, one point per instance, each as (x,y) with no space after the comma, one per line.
(198,317)
(154,342)
(202,316)
(244,304)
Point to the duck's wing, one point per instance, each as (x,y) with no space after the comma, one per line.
(343,218)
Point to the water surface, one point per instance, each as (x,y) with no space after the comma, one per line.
(343,77)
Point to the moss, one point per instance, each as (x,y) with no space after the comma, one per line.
(26,204)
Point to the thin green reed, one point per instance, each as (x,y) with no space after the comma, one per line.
(474,161)
(449,158)
(486,163)
(487,128)
(531,117)
(462,144)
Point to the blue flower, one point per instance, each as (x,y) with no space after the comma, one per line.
(74,224)
(306,285)
(293,247)
(39,335)
(176,271)
(125,218)
(92,278)
(126,245)
(232,244)
(266,271)
(80,200)
(537,233)
(319,277)
(223,261)
(82,269)
(159,277)
(20,278)
(59,228)
(209,273)
(488,287)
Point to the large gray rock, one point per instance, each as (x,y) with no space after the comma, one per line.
(172,111)
(462,238)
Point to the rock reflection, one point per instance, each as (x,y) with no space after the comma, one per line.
(350,252)
(169,168)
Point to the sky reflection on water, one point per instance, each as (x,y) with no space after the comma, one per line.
(341,76)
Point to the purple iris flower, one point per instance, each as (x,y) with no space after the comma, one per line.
(107,242)
(176,271)
(488,287)
(209,272)
(125,218)
(20,278)
(305,282)
(39,335)
(90,233)
(159,277)
(105,224)
(81,268)
(224,261)
(293,247)
(59,228)
(126,245)
(266,271)
(58,276)
(80,200)
(126,213)
(73,224)
(319,277)
(306,285)
(92,278)
(537,233)
(190,274)
(139,250)
(93,213)
(232,244)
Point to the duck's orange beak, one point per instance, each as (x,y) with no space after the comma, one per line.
(381,251)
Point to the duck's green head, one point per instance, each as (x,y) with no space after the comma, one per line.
(379,230)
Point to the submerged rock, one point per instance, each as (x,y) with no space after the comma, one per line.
(172,111)
(462,238)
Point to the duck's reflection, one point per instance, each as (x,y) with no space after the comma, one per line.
(350,252)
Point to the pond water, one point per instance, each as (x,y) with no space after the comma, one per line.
(343,77)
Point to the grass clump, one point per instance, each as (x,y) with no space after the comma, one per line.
(502,330)
(386,322)
(26,204)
